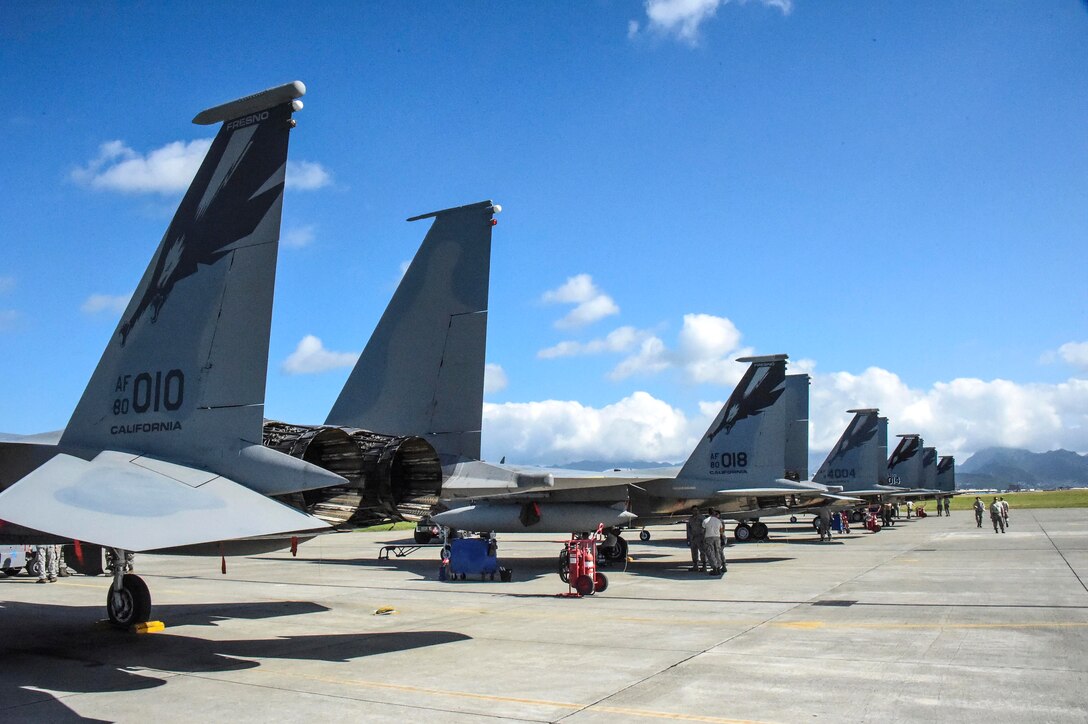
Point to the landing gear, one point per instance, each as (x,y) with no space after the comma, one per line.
(856,516)
(616,553)
(644,535)
(793,518)
(759,531)
(816,523)
(128,601)
(742,533)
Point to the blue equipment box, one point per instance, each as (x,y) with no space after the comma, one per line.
(473,556)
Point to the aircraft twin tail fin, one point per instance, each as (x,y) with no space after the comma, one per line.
(858,461)
(422,372)
(183,376)
(747,440)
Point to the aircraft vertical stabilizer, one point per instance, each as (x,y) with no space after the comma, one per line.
(946,474)
(858,460)
(797,427)
(747,440)
(183,375)
(422,372)
(905,463)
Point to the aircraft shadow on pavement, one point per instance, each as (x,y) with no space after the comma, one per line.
(58,649)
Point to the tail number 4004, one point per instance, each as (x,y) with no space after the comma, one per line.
(149,392)
(728,460)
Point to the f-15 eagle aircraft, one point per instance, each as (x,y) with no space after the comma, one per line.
(914,466)
(421,378)
(163,452)
(858,461)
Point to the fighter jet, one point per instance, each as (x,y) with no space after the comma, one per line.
(420,378)
(914,466)
(858,461)
(163,452)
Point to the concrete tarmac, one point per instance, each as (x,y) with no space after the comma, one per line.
(932,620)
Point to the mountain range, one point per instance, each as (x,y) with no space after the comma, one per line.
(1000,466)
(992,467)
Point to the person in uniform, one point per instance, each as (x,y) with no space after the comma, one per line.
(823,524)
(995,516)
(712,540)
(695,539)
(979,508)
(47,555)
(1004,510)
(947,506)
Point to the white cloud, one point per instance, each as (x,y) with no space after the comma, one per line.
(494,378)
(105,303)
(591,303)
(6,284)
(1075,354)
(311,357)
(307,175)
(170,169)
(165,170)
(706,349)
(637,427)
(620,339)
(682,18)
(299,237)
(958,417)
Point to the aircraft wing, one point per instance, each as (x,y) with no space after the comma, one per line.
(750,492)
(478,479)
(126,501)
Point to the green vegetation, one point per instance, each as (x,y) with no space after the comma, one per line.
(403,525)
(1040,499)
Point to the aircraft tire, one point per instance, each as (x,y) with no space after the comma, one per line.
(856,517)
(584,585)
(131,605)
(793,518)
(816,523)
(617,554)
(600,583)
(759,531)
(644,536)
(742,533)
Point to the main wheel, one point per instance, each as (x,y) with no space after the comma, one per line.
(600,583)
(816,523)
(856,517)
(759,530)
(616,553)
(129,605)
(644,536)
(564,565)
(793,518)
(742,533)
(584,585)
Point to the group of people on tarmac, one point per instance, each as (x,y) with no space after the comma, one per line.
(706,539)
(999,513)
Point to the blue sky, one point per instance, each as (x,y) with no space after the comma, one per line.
(897,197)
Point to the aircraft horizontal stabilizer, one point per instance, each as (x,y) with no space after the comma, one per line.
(120,500)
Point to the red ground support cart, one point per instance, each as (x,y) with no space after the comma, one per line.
(580,571)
